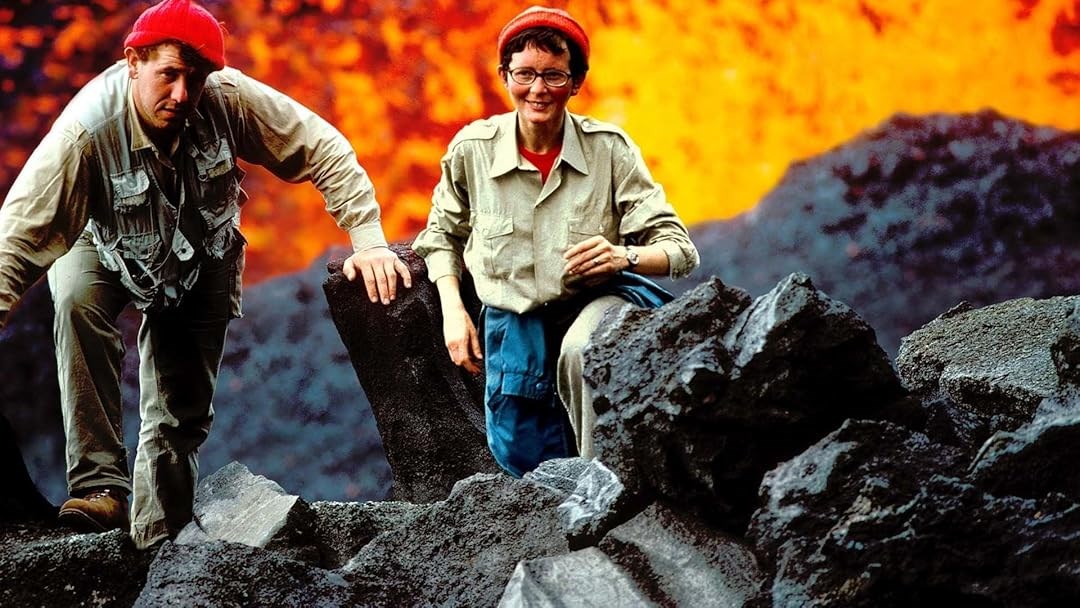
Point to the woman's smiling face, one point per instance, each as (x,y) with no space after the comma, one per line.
(539,103)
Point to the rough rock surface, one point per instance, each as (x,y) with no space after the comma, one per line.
(53,567)
(582,578)
(429,412)
(993,364)
(679,561)
(235,506)
(343,528)
(876,516)
(218,573)
(471,543)
(913,216)
(700,397)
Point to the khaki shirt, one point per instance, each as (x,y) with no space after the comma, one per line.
(491,212)
(53,196)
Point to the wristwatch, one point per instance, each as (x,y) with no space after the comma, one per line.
(632,257)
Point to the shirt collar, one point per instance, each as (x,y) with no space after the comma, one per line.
(139,138)
(507,158)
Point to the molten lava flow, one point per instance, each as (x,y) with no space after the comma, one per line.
(721,96)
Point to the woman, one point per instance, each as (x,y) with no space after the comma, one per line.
(549,211)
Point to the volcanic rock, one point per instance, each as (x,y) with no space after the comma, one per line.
(343,528)
(235,506)
(913,216)
(219,573)
(429,412)
(583,578)
(990,367)
(53,567)
(461,551)
(679,561)
(697,399)
(869,517)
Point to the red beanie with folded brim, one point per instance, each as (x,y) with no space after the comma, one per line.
(542,16)
(181,20)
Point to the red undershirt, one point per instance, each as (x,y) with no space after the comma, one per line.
(543,161)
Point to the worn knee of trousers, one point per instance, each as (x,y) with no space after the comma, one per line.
(78,309)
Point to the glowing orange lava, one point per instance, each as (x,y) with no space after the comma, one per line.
(720,95)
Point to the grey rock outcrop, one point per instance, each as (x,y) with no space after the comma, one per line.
(876,516)
(54,567)
(582,578)
(598,502)
(879,515)
(472,542)
(911,217)
(219,573)
(679,561)
(699,398)
(991,367)
(429,413)
(233,505)
(1034,460)
(343,528)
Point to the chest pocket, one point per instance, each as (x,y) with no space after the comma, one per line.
(580,228)
(217,184)
(136,236)
(493,240)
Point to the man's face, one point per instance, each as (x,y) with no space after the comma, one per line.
(166,88)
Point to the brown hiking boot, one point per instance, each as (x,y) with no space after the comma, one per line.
(99,510)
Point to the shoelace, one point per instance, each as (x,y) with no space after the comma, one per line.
(97,495)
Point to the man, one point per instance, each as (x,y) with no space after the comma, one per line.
(134,197)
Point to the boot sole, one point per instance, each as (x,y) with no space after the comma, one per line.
(82,522)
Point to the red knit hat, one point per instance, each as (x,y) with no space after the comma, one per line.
(542,16)
(181,20)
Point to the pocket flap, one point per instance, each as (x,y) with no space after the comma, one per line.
(491,225)
(130,188)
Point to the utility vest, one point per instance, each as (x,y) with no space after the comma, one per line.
(140,231)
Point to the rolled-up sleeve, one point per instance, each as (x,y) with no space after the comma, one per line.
(295,144)
(44,212)
(442,242)
(648,218)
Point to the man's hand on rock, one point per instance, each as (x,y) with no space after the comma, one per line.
(380,269)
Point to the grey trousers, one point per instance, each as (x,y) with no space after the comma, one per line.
(179,356)
(573,390)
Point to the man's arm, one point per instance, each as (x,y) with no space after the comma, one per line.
(295,144)
(46,209)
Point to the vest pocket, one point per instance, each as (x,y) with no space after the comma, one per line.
(217,184)
(142,247)
(137,238)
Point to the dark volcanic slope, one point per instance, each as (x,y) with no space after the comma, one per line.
(912,217)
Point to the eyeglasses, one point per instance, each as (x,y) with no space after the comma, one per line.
(552,78)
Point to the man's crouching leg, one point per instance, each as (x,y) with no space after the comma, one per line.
(180,354)
(87,299)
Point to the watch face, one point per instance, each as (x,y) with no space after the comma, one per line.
(631,256)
